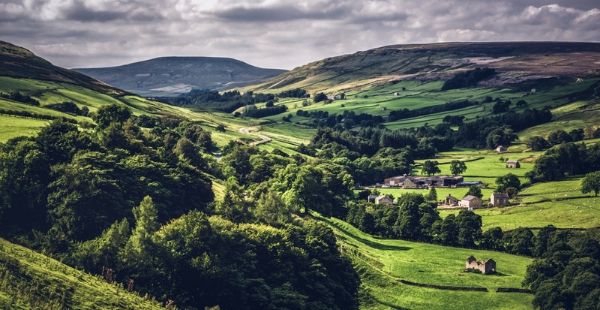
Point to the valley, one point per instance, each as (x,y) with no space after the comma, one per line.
(274,208)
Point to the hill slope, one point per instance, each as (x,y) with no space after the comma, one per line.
(167,76)
(18,62)
(515,62)
(29,280)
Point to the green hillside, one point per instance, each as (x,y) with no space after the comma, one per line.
(29,280)
(384,263)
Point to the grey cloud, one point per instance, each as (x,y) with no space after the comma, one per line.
(277,33)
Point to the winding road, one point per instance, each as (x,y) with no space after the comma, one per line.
(254,131)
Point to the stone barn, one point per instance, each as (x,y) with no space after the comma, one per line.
(470,202)
(384,200)
(513,164)
(451,201)
(487,266)
(501,149)
(499,199)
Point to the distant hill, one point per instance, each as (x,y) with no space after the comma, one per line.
(515,62)
(18,62)
(169,76)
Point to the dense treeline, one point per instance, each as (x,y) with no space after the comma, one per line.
(294,93)
(17,96)
(137,207)
(448,106)
(68,107)
(266,111)
(564,160)
(468,78)
(567,274)
(211,99)
(346,119)
(499,130)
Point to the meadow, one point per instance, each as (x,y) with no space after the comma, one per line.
(382,263)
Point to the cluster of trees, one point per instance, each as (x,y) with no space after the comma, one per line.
(140,202)
(539,143)
(564,160)
(347,119)
(17,96)
(68,107)
(414,218)
(211,99)
(468,78)
(567,273)
(491,131)
(448,106)
(252,111)
(294,93)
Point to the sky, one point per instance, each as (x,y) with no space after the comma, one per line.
(277,33)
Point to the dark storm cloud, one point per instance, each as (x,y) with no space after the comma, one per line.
(277,33)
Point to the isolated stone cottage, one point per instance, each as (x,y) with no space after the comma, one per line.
(513,164)
(451,200)
(501,149)
(485,266)
(499,199)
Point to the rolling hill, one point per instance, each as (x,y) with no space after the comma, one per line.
(514,62)
(169,76)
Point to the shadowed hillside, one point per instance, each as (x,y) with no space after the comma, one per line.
(168,76)
(19,62)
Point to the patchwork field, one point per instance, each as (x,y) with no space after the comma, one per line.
(383,263)
(557,203)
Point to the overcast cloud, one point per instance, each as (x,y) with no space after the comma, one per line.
(276,33)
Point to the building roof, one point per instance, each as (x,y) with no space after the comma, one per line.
(470,197)
(510,161)
(382,197)
(451,197)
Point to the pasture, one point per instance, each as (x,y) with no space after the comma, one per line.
(382,263)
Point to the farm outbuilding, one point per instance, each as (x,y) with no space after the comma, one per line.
(485,266)
(384,200)
(470,202)
(513,164)
(499,199)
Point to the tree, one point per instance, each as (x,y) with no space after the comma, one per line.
(111,113)
(469,228)
(430,167)
(271,210)
(500,136)
(558,137)
(474,190)
(538,143)
(591,183)
(492,239)
(319,97)
(432,195)
(458,167)
(506,181)
(448,233)
(146,223)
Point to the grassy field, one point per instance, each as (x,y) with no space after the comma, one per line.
(557,203)
(382,263)
(29,280)
(13,126)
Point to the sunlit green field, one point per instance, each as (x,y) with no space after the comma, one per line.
(559,203)
(13,126)
(382,263)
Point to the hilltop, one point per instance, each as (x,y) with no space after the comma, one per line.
(18,62)
(169,76)
(514,62)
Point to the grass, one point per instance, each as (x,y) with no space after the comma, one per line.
(558,203)
(13,126)
(383,262)
(29,280)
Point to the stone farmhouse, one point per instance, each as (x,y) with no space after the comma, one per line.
(513,164)
(405,181)
(470,202)
(384,200)
(499,199)
(501,149)
(485,266)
